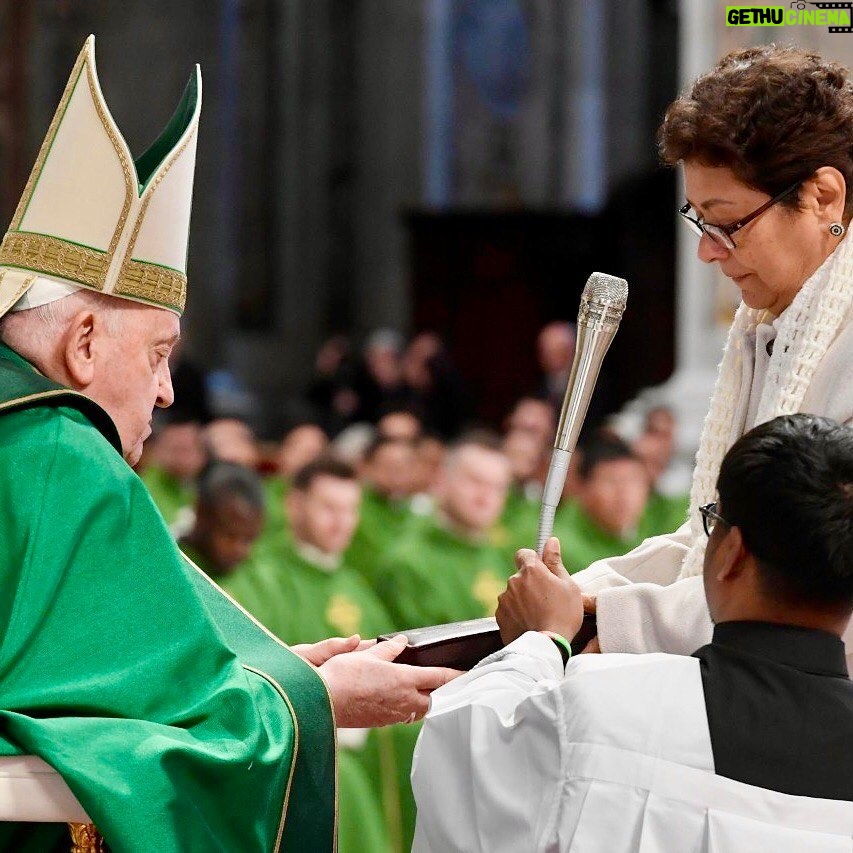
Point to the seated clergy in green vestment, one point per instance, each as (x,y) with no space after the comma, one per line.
(173,465)
(608,516)
(387,476)
(229,516)
(445,568)
(175,719)
(300,587)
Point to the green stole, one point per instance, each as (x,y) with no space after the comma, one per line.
(303,729)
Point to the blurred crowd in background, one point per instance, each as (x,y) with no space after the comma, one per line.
(388,509)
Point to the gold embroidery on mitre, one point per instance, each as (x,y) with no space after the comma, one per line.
(153,283)
(54,256)
(343,614)
(486,589)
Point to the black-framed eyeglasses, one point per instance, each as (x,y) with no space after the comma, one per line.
(710,517)
(722,234)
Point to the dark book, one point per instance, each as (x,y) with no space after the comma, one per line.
(461,645)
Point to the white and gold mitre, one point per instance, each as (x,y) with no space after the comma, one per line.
(92,217)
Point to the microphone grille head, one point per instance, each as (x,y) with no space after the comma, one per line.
(603,300)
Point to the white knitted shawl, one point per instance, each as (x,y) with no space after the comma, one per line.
(807,328)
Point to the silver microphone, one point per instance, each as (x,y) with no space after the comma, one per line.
(602,303)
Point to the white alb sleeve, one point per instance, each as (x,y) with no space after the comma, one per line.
(486,767)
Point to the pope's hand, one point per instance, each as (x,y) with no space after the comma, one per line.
(318,653)
(368,689)
(540,596)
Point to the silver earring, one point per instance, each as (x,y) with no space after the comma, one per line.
(837,229)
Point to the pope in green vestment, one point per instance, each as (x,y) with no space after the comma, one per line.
(171,716)
(177,720)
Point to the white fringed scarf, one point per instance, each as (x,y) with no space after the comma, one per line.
(807,328)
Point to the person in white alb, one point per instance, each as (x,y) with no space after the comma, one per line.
(745,746)
(764,143)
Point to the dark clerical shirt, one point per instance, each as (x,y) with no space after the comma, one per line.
(780,708)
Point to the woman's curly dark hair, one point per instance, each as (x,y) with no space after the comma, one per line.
(773,115)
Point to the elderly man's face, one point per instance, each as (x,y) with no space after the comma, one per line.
(132,374)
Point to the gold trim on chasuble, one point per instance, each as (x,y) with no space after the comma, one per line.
(51,255)
(278,687)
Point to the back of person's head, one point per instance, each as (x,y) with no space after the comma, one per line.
(612,484)
(225,480)
(229,514)
(773,115)
(788,486)
(323,504)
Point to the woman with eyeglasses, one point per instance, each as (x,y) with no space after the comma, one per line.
(765,141)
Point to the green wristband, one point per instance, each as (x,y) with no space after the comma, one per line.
(562,644)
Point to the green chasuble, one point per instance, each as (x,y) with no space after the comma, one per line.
(177,721)
(169,493)
(302,602)
(434,576)
(430,577)
(381,522)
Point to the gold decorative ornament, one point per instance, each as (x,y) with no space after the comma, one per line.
(85,838)
(486,589)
